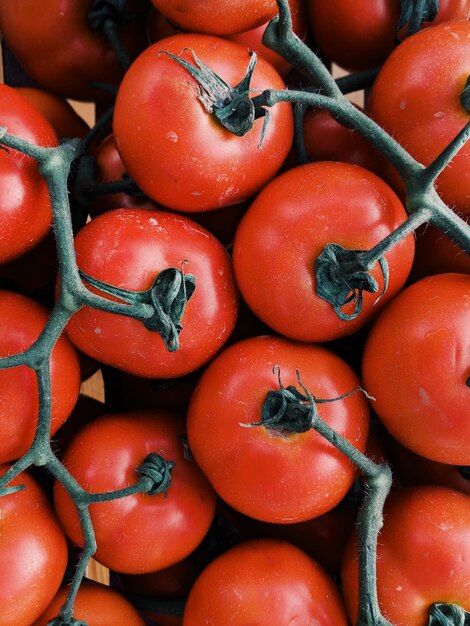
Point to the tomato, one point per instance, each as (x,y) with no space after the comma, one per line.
(187,160)
(129,248)
(21,322)
(424,120)
(437,254)
(58,111)
(264,582)
(33,553)
(415,364)
(218,17)
(267,473)
(57,47)
(86,409)
(287,227)
(138,533)
(358,36)
(423,556)
(96,605)
(25,210)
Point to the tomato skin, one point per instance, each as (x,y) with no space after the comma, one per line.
(21,322)
(264,582)
(415,365)
(96,605)
(218,17)
(423,552)
(128,538)
(57,47)
(270,477)
(33,553)
(358,36)
(188,161)
(423,120)
(286,229)
(25,210)
(128,248)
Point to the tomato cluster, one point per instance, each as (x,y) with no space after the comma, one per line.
(231,248)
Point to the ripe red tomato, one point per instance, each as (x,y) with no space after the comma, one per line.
(128,248)
(358,36)
(21,322)
(423,556)
(424,121)
(25,210)
(287,227)
(266,473)
(415,364)
(33,553)
(264,582)
(56,46)
(139,533)
(188,161)
(218,17)
(96,605)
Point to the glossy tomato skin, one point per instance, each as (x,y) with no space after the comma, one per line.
(424,120)
(21,322)
(139,533)
(415,364)
(286,229)
(272,476)
(358,36)
(264,582)
(218,17)
(57,47)
(96,605)
(128,248)
(423,555)
(25,210)
(33,553)
(188,161)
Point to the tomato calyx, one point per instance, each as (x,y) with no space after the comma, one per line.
(442,614)
(231,106)
(157,471)
(168,296)
(412,15)
(342,277)
(288,410)
(465,96)
(66,621)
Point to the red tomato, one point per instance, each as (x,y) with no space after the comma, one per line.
(188,160)
(264,582)
(139,533)
(426,120)
(56,46)
(415,364)
(274,475)
(21,322)
(33,553)
(96,605)
(358,36)
(25,210)
(423,556)
(217,17)
(287,227)
(128,248)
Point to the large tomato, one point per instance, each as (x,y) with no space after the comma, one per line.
(268,473)
(21,322)
(25,210)
(287,227)
(423,556)
(33,553)
(128,248)
(264,582)
(96,605)
(138,533)
(174,148)
(425,120)
(415,365)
